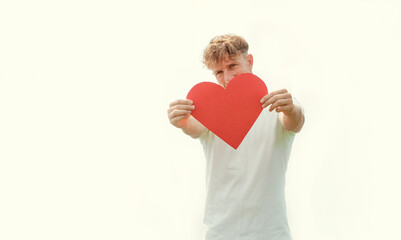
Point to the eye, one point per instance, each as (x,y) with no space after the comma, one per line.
(217,73)
(233,65)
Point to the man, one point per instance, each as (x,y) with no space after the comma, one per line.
(245,187)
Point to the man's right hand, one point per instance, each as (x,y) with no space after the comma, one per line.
(179,112)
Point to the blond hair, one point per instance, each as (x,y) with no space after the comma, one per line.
(224,45)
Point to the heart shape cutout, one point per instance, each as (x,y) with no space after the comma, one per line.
(229,112)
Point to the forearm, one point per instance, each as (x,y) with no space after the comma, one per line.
(294,120)
(193,128)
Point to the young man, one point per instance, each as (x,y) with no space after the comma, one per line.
(245,187)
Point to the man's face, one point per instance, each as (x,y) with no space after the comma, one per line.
(230,68)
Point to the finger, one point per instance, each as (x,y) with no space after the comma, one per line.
(280,102)
(272,99)
(275,108)
(177,113)
(177,119)
(181,102)
(276,98)
(185,107)
(281,91)
(270,95)
(284,109)
(266,97)
(181,107)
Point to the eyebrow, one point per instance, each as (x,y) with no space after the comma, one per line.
(233,62)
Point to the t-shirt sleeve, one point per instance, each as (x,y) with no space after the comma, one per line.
(297,102)
(302,109)
(204,136)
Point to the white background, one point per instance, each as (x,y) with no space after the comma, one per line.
(86,149)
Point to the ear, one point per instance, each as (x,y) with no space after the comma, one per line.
(249,59)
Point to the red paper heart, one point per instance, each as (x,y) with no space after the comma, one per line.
(229,113)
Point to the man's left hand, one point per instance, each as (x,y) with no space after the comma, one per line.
(280,100)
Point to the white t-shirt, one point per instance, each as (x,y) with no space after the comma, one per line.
(245,195)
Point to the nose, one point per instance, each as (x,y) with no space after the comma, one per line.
(228,77)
